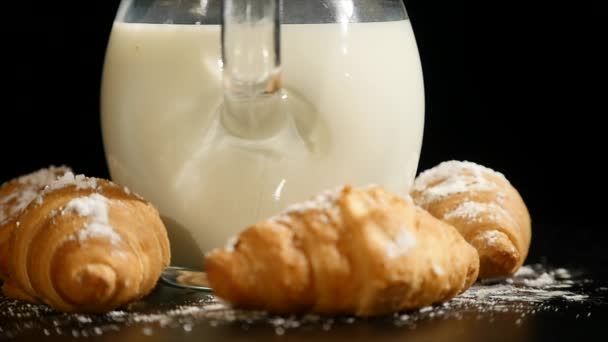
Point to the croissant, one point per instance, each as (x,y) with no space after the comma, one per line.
(361,251)
(485,208)
(86,245)
(15,195)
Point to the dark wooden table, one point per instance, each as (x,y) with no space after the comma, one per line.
(575,307)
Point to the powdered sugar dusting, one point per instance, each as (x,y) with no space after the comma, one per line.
(401,245)
(22,198)
(95,208)
(531,284)
(490,237)
(43,177)
(452,177)
(476,211)
(15,202)
(544,280)
(322,201)
(527,271)
(501,299)
(325,200)
(437,270)
(468,210)
(69,179)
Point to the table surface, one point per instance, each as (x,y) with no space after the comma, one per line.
(563,296)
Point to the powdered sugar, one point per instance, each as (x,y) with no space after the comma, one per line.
(453,177)
(467,210)
(490,237)
(324,200)
(401,245)
(529,286)
(507,292)
(475,211)
(95,208)
(17,201)
(43,177)
(437,270)
(94,230)
(544,280)
(69,179)
(505,299)
(527,271)
(22,198)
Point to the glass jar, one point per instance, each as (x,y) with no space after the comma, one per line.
(223,113)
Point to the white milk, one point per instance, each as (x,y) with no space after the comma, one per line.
(160,98)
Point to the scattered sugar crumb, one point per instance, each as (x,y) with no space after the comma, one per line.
(544,280)
(525,271)
(534,289)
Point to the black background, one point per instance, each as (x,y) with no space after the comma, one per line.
(514,85)
(510,85)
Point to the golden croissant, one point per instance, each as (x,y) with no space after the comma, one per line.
(86,245)
(361,251)
(16,195)
(483,205)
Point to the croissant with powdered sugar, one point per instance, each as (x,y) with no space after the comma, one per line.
(86,245)
(16,195)
(361,251)
(485,208)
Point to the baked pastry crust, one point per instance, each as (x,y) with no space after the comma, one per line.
(361,251)
(485,208)
(86,245)
(16,195)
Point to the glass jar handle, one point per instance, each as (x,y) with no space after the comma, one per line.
(251,67)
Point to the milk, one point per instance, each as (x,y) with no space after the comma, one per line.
(360,121)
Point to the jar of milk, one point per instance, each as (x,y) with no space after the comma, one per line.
(222,113)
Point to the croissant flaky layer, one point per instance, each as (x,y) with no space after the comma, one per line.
(361,251)
(86,245)
(485,208)
(16,195)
